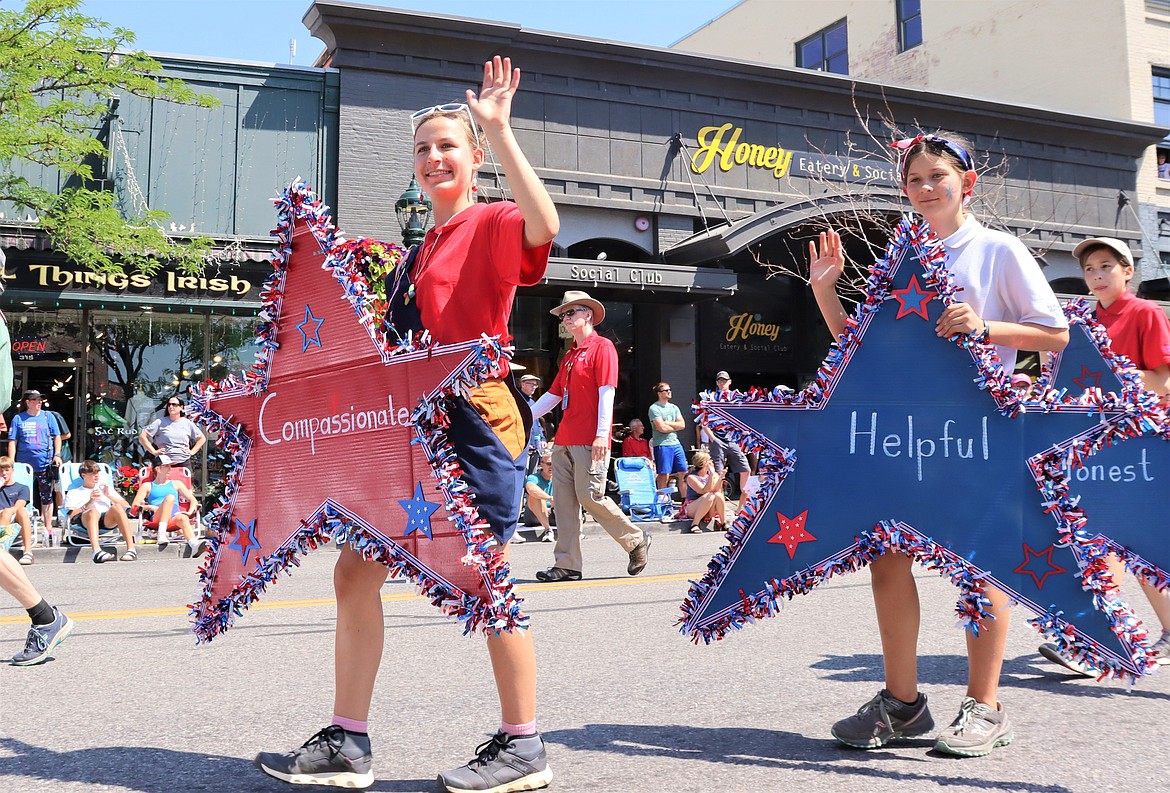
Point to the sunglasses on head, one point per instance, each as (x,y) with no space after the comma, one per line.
(419,116)
(936,142)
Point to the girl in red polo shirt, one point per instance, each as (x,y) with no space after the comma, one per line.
(458,284)
(1138,330)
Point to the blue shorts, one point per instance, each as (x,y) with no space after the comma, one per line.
(496,478)
(670,459)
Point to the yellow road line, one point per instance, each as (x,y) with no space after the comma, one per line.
(269,605)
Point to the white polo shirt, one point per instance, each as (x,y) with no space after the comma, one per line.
(1001,280)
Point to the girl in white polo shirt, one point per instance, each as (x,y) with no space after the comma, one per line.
(1007,302)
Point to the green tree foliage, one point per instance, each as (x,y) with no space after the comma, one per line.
(61,72)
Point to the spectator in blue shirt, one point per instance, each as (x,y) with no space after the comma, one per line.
(14,498)
(33,438)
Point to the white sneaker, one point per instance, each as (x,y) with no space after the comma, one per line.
(547,536)
(518,539)
(1161,649)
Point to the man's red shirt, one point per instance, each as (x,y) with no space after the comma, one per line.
(587,366)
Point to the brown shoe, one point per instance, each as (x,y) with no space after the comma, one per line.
(638,555)
(558,574)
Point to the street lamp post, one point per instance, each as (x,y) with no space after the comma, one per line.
(413,209)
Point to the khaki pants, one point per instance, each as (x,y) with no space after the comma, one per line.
(574,487)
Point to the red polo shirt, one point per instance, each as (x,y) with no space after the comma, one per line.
(468,270)
(1138,330)
(636,447)
(587,367)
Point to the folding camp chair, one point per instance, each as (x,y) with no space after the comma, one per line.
(640,498)
(22,473)
(73,534)
(182,474)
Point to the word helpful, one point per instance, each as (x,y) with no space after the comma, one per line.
(915,444)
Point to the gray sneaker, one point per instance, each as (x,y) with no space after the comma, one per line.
(1161,648)
(504,764)
(43,639)
(975,731)
(331,757)
(1050,651)
(882,719)
(638,555)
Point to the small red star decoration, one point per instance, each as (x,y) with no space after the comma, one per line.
(1088,379)
(1027,566)
(913,299)
(792,532)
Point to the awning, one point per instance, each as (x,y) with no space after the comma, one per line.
(728,239)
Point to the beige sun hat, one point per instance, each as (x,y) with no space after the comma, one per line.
(575,297)
(1112,243)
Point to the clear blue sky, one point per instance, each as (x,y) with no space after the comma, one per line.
(259,30)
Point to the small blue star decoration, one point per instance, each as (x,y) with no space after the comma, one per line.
(418,512)
(909,443)
(310,329)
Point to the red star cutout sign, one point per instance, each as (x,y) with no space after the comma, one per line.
(336,435)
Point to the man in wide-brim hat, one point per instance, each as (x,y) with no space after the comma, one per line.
(585,387)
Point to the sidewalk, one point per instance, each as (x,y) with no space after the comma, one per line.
(180,550)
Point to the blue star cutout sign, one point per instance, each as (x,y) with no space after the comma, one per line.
(310,329)
(245,539)
(418,512)
(904,443)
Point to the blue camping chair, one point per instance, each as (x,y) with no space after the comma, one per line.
(76,535)
(641,500)
(22,473)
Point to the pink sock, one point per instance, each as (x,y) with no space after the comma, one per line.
(519,729)
(351,725)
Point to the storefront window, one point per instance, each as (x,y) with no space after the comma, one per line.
(46,356)
(232,350)
(137,362)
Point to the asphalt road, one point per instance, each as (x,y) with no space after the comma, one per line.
(626,703)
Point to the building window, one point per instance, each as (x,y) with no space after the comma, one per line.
(1162,99)
(826,50)
(909,24)
(1163,159)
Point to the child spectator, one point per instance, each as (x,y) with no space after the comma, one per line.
(1138,330)
(94,504)
(14,498)
(1008,303)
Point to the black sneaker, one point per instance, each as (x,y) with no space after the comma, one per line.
(331,757)
(43,639)
(504,764)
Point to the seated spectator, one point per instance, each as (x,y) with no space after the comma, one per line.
(636,443)
(1163,166)
(94,504)
(14,498)
(538,489)
(704,499)
(159,497)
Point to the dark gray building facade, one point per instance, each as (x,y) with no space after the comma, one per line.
(677,176)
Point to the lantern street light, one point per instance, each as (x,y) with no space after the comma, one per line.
(413,210)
